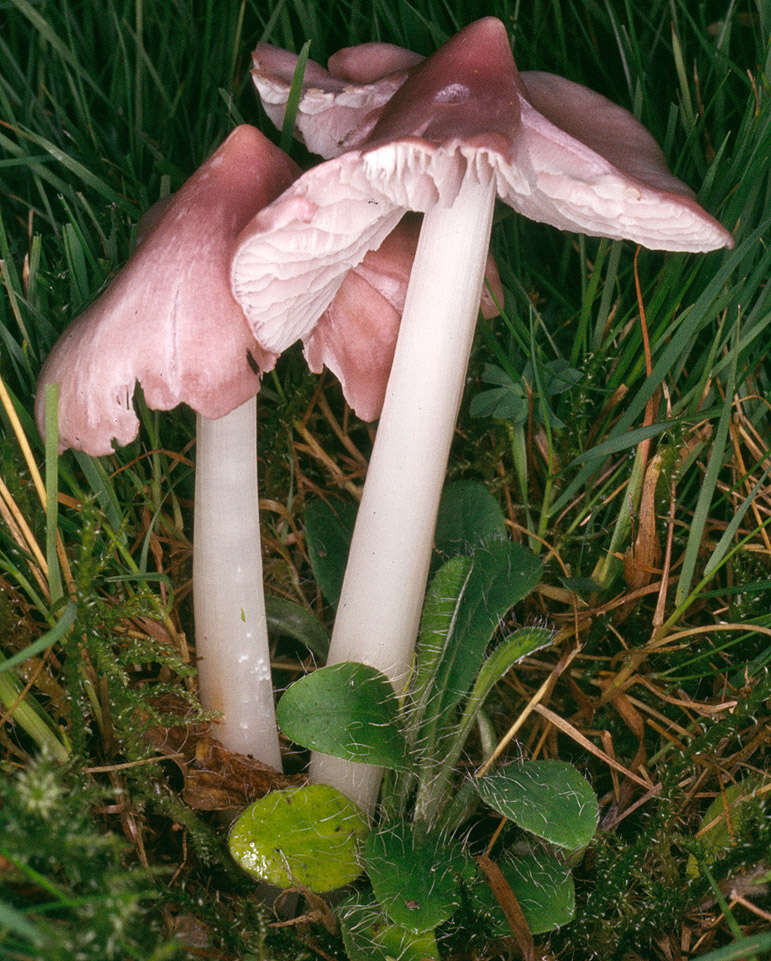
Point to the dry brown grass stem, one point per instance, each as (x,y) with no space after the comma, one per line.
(342,435)
(570,597)
(659,716)
(21,533)
(551,551)
(763,499)
(580,498)
(574,734)
(660,642)
(758,912)
(317,452)
(108,768)
(688,703)
(725,814)
(618,815)
(611,404)
(37,480)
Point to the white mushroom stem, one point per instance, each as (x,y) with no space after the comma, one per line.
(385,580)
(231,634)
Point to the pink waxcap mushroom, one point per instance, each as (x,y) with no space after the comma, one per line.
(168,320)
(464,108)
(598,123)
(356,336)
(339,107)
(602,126)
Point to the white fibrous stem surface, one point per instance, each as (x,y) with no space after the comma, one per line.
(231,635)
(382,595)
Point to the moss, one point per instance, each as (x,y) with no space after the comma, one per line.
(76,891)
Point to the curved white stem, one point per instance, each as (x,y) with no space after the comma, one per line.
(382,596)
(231,634)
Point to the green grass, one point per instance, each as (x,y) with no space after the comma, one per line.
(105,107)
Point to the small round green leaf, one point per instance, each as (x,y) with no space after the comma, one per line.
(548,798)
(540,883)
(413,875)
(348,710)
(306,835)
(370,935)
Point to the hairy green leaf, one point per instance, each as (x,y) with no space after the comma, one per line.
(469,516)
(502,574)
(542,885)
(348,710)
(370,935)
(413,875)
(548,798)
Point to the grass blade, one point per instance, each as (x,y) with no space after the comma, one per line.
(701,511)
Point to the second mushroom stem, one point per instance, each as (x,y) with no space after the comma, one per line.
(381,600)
(230,622)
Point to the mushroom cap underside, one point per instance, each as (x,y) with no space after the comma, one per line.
(356,335)
(541,138)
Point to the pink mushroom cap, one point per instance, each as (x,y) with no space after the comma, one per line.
(168,320)
(338,106)
(370,62)
(559,153)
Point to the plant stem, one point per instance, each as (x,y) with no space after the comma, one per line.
(385,580)
(434,775)
(29,720)
(606,569)
(231,634)
(518,443)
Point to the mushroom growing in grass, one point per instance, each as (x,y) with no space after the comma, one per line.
(462,128)
(168,321)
